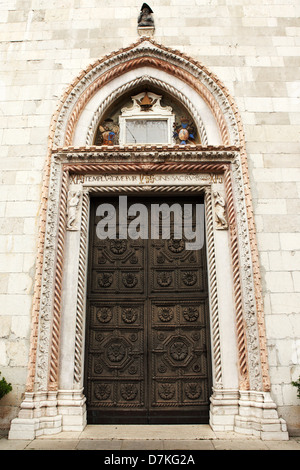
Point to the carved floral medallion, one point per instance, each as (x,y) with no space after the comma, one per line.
(105,280)
(191,314)
(104,314)
(166,391)
(165,314)
(128,391)
(129,315)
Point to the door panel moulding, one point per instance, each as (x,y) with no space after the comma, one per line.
(148,339)
(54,399)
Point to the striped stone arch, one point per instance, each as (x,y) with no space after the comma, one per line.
(221,161)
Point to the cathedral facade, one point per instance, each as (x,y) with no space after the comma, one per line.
(150,203)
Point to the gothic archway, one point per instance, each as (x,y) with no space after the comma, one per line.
(217,163)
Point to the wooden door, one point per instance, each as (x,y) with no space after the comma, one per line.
(147,344)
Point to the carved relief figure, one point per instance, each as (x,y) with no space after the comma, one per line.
(73,203)
(185,132)
(109,132)
(220,211)
(145,16)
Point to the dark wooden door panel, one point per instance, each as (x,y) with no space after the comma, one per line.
(147,347)
(116,368)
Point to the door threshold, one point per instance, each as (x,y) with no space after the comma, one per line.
(148,431)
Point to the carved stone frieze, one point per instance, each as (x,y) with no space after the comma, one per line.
(248,293)
(48,280)
(147,154)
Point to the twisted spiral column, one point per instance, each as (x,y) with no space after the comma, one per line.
(213,291)
(55,337)
(81,288)
(240,323)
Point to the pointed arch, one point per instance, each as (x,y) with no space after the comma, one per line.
(157,58)
(144,80)
(146,53)
(70,152)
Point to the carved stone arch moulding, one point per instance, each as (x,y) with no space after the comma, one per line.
(64,211)
(145,53)
(224,109)
(206,84)
(145,80)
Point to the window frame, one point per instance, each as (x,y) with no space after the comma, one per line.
(155,113)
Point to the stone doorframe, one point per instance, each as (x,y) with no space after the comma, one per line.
(54,399)
(57,402)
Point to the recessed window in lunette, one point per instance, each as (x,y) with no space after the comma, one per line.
(146,118)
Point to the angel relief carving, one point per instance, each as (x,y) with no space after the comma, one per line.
(72,210)
(220,213)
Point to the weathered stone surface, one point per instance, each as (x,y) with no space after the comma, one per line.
(253,48)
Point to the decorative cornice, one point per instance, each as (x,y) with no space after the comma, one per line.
(147,153)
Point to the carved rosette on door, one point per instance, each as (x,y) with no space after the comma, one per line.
(148,340)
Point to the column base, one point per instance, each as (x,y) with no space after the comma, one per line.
(247,412)
(49,413)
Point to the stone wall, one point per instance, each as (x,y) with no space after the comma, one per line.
(253,47)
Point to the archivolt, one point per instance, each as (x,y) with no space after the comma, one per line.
(145,52)
(63,123)
(158,64)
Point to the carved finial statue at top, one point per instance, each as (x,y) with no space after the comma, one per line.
(145,16)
